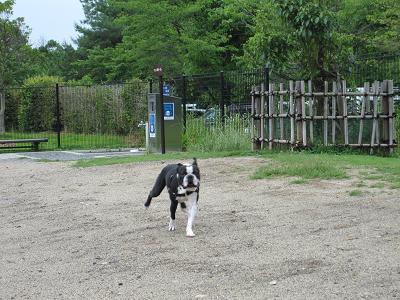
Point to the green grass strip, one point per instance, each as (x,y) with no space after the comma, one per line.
(158,157)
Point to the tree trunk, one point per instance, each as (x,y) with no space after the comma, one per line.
(2,111)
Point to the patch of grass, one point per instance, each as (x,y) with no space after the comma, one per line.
(355,193)
(378,185)
(298,181)
(308,167)
(385,169)
(360,184)
(373,177)
(76,141)
(158,157)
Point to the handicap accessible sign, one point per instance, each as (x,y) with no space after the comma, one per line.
(169,112)
(152,125)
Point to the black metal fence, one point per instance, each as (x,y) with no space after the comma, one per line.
(222,93)
(77,117)
(370,68)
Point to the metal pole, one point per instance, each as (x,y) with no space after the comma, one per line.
(160,78)
(184,101)
(151,85)
(58,116)
(222,98)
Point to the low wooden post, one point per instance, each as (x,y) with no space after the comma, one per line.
(291,113)
(325,113)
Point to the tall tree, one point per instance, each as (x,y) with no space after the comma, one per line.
(14,50)
(14,47)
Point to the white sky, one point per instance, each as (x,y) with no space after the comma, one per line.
(50,19)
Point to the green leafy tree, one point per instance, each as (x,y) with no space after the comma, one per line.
(14,48)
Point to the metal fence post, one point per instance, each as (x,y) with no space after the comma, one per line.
(184,101)
(58,116)
(222,98)
(162,129)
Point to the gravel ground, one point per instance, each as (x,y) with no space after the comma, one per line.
(69,233)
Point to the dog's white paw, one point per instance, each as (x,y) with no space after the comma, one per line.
(190,233)
(172,225)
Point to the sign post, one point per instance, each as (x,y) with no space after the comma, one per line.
(158,70)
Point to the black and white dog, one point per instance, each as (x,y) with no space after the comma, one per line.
(183,184)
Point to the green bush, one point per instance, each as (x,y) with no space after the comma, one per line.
(13,100)
(37,111)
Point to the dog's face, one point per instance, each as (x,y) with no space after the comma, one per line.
(189,176)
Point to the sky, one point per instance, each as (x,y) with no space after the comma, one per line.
(50,19)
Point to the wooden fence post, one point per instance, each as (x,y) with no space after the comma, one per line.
(334,99)
(281,89)
(325,113)
(271,114)
(390,115)
(364,101)
(311,112)
(299,122)
(262,115)
(387,111)
(291,113)
(374,120)
(303,113)
(345,120)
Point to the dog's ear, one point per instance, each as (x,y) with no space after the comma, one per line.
(181,169)
(194,163)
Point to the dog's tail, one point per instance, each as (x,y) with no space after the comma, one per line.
(157,188)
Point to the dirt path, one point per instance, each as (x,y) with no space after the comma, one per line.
(68,233)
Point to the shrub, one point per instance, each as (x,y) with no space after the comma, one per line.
(37,111)
(13,100)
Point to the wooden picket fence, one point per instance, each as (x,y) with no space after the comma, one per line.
(290,115)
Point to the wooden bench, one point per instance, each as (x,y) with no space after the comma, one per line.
(35,143)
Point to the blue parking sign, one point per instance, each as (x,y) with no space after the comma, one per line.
(169,112)
(152,125)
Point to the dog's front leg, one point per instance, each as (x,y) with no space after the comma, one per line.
(173,207)
(192,211)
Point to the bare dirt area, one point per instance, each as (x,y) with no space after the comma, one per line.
(69,233)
